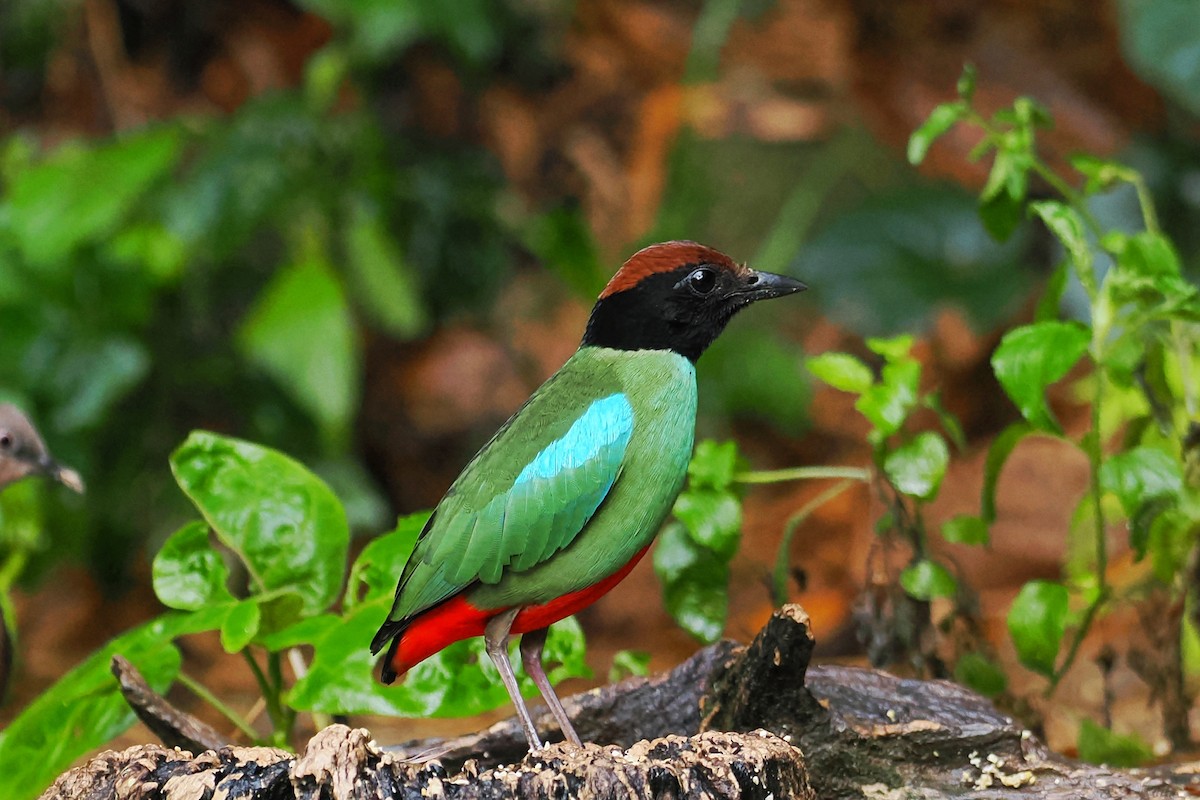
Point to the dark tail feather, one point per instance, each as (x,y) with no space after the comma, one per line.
(393,632)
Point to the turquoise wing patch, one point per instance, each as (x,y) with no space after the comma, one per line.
(551,499)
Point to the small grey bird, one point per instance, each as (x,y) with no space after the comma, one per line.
(23,453)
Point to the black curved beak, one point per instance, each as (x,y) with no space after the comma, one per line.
(765,285)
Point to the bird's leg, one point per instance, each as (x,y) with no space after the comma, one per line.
(531,657)
(495,638)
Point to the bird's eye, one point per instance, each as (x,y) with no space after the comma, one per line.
(5,440)
(702,281)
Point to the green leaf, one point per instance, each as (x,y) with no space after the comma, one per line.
(240,625)
(1102,174)
(841,371)
(1145,531)
(1029,113)
(998,180)
(887,404)
(927,579)
(304,631)
(940,120)
(1140,475)
(301,333)
(893,349)
(1099,745)
(1037,621)
(280,519)
(917,467)
(378,566)
(713,519)
(965,529)
(1032,357)
(1001,215)
(695,583)
(966,82)
(80,194)
(1169,539)
(324,75)
(385,284)
(949,422)
(92,375)
(980,673)
(713,465)
(629,663)
(1146,254)
(188,573)
(1051,299)
(1001,448)
(1067,226)
(84,709)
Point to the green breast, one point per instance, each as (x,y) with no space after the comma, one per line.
(661,388)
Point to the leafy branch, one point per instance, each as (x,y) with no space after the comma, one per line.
(1140,337)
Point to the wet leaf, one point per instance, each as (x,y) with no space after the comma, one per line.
(188,573)
(280,519)
(916,468)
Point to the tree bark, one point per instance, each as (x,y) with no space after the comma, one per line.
(732,722)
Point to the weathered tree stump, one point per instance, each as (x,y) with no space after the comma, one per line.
(732,722)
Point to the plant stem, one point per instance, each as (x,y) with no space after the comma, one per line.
(264,686)
(1080,634)
(286,716)
(12,568)
(1183,352)
(803,473)
(779,578)
(1149,215)
(321,721)
(202,691)
(1091,444)
(1069,193)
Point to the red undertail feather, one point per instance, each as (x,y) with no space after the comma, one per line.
(455,619)
(665,257)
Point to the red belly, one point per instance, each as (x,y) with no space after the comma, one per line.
(456,619)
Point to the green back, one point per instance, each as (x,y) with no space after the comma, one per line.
(574,484)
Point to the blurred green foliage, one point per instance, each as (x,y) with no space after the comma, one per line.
(1161,42)
(219,272)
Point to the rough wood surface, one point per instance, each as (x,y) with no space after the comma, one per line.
(622,714)
(173,727)
(341,763)
(732,722)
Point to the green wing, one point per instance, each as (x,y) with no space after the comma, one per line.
(524,497)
